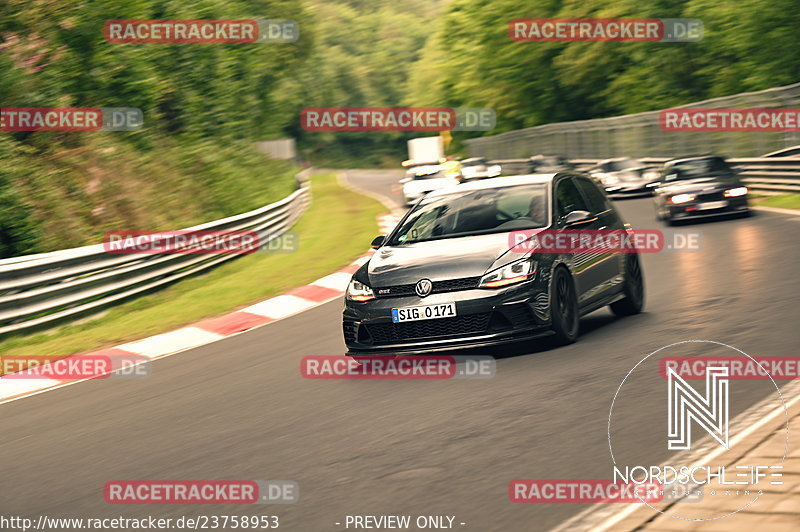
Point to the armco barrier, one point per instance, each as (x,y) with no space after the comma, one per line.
(771,175)
(38,291)
(640,135)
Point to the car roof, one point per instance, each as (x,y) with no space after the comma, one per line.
(547,156)
(782,150)
(696,158)
(496,182)
(615,159)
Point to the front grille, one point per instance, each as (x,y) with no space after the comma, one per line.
(349,329)
(449,285)
(452,285)
(519,314)
(711,196)
(385,333)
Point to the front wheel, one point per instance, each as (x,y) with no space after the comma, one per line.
(564,308)
(633,302)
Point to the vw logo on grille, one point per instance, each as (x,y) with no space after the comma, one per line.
(424,287)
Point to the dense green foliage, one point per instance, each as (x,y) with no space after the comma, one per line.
(458,53)
(206,104)
(362,54)
(204,107)
(748,45)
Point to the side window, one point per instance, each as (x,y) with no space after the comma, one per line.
(424,226)
(568,198)
(594,197)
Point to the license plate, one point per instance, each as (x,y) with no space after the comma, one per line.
(712,205)
(428,312)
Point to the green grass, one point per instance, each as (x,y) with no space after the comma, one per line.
(336,229)
(783,201)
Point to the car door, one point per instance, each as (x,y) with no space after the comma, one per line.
(609,264)
(588,276)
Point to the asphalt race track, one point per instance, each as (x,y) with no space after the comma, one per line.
(239,409)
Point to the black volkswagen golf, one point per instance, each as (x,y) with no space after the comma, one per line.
(451,274)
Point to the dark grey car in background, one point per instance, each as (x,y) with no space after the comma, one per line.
(699,187)
(624,176)
(545,164)
(449,275)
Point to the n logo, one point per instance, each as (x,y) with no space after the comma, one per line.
(686,404)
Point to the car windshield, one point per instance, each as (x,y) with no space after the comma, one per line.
(624,164)
(698,168)
(475,212)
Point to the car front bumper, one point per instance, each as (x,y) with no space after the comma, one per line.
(484,317)
(695,209)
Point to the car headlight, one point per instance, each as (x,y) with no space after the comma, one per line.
(735,192)
(651,175)
(357,291)
(681,198)
(512,273)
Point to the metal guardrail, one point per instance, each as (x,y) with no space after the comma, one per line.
(640,135)
(38,291)
(772,175)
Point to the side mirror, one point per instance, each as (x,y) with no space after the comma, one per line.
(578,218)
(378,242)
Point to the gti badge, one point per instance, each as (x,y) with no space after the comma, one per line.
(424,287)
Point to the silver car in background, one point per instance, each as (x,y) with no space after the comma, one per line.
(624,176)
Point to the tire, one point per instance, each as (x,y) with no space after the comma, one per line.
(633,302)
(564,313)
(659,212)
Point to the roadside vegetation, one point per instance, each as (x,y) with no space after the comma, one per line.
(783,201)
(336,229)
(194,160)
(458,53)
(206,105)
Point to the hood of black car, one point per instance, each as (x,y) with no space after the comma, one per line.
(450,258)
